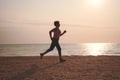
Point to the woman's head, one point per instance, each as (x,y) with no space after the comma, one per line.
(57,23)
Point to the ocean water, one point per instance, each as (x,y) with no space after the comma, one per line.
(81,49)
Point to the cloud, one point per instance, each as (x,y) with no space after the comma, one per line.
(36,22)
(39,23)
(77,25)
(23,22)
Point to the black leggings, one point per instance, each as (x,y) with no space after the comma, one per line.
(55,43)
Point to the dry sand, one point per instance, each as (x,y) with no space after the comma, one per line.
(75,68)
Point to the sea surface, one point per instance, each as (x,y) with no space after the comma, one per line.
(81,49)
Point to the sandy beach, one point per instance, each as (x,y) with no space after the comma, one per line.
(49,68)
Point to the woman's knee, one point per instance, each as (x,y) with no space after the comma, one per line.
(50,49)
(59,49)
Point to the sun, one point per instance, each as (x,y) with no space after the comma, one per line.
(95,2)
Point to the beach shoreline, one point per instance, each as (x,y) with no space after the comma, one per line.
(49,68)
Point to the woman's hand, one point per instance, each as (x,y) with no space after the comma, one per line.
(64,31)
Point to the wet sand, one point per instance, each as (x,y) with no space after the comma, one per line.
(49,68)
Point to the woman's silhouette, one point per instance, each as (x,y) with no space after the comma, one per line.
(55,40)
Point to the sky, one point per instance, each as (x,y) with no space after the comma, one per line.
(86,21)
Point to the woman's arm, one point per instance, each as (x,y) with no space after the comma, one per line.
(63,33)
(50,33)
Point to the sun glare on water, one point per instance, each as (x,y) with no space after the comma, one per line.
(95,49)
